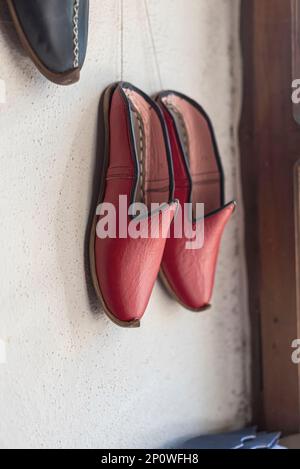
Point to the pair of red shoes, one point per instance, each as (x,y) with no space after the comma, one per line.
(161,152)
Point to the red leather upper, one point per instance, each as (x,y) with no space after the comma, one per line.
(190,274)
(127,268)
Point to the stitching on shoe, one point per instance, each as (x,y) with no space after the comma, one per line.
(184,132)
(75,33)
(142,156)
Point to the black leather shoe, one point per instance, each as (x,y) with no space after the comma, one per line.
(54,33)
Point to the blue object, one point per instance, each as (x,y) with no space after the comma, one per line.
(247,438)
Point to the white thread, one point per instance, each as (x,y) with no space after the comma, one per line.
(153,44)
(122,39)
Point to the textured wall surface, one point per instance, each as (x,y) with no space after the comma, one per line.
(73,379)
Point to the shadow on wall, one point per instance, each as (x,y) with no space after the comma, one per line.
(71,221)
(98,171)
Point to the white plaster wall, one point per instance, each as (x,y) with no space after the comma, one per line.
(72,378)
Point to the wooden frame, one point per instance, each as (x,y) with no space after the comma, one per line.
(270,148)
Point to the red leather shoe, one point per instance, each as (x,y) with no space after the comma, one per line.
(189,274)
(136,163)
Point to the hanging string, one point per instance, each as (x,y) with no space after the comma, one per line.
(153,44)
(121,39)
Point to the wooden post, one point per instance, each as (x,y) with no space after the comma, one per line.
(270,147)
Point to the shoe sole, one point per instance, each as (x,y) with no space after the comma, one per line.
(66,78)
(103,126)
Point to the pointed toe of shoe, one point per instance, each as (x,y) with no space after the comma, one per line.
(190,274)
(193,295)
(114,317)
